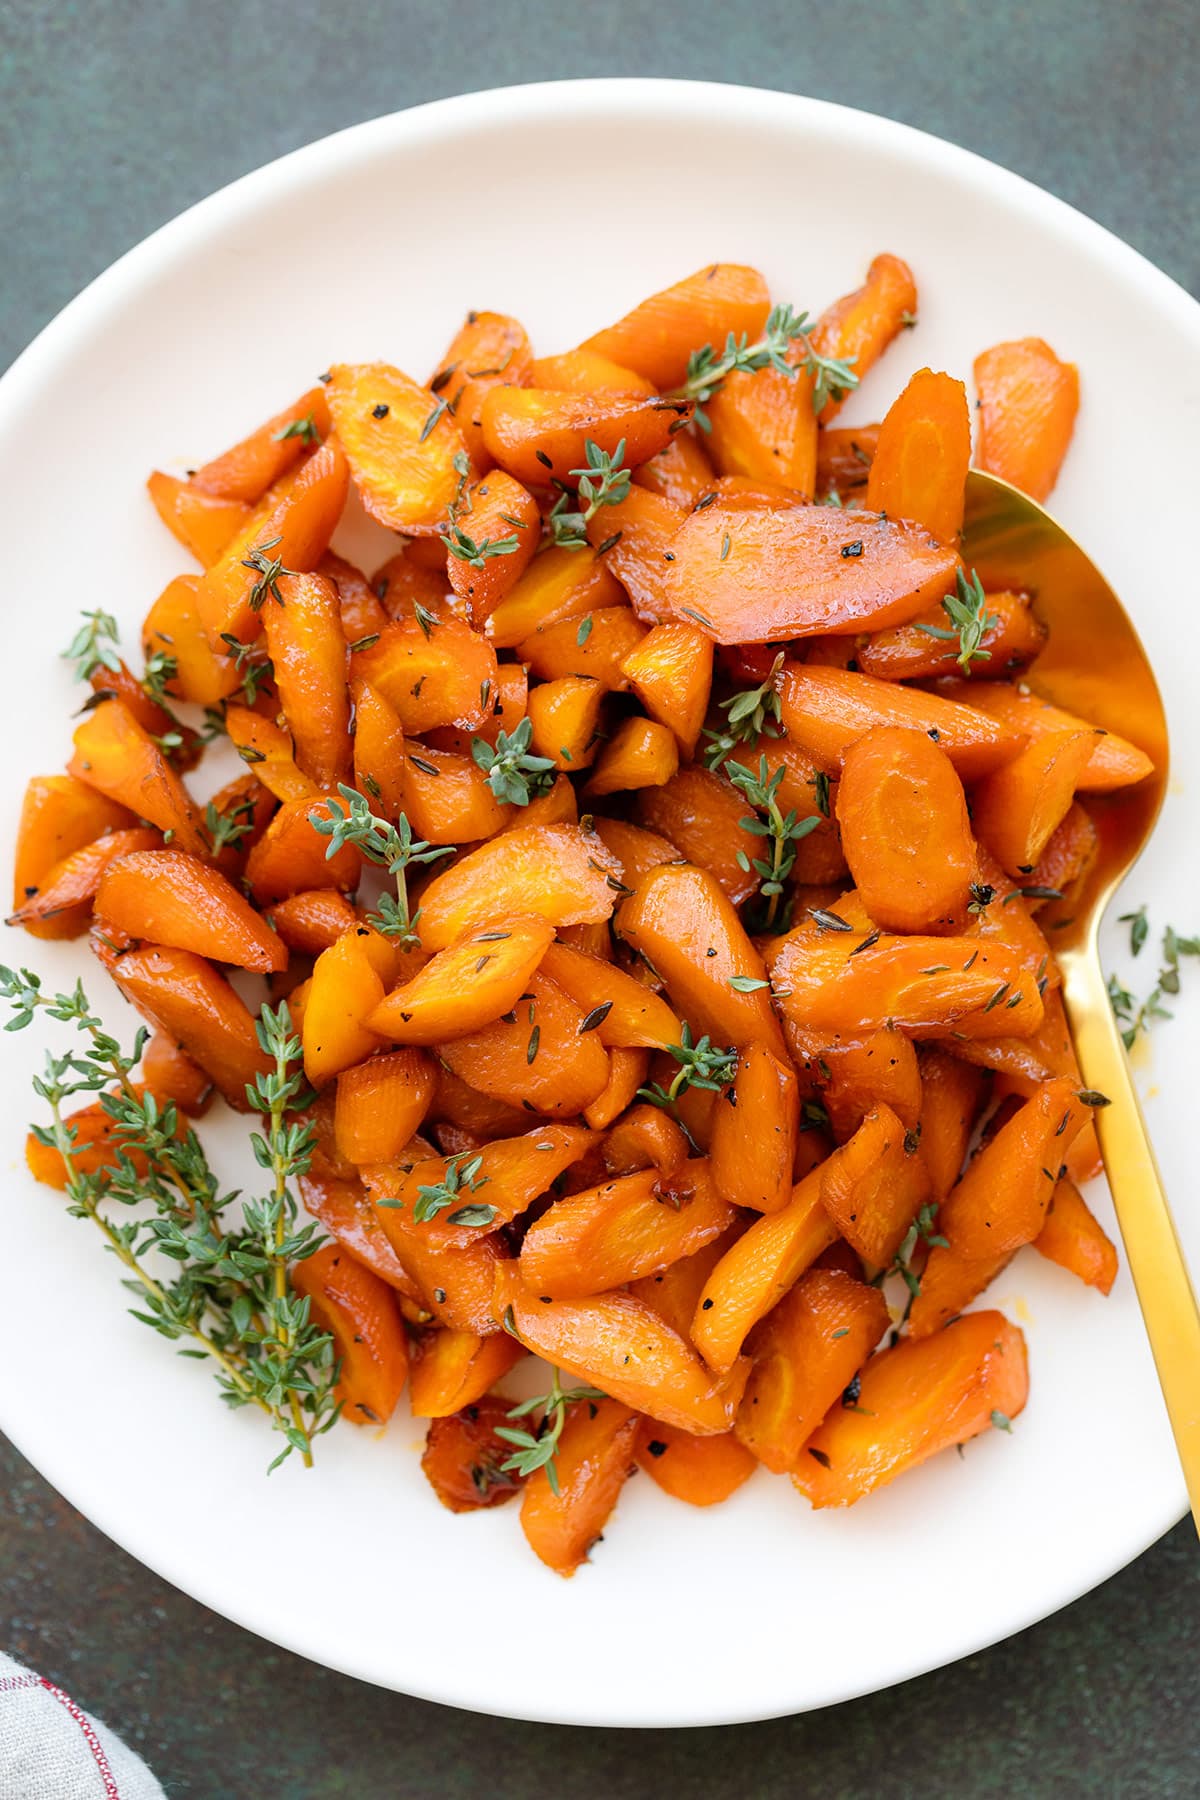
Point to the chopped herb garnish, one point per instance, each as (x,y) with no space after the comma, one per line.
(537,1450)
(513,773)
(969,619)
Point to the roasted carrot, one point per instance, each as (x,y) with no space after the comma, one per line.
(181,994)
(658,337)
(1073,1237)
(873,1186)
(464,1457)
(359,1311)
(489,350)
(115,755)
(380,1104)
(400,442)
(922,453)
(827,710)
(905,830)
(1028,400)
(704,1471)
(859,327)
(564,1519)
(537,434)
(755,1126)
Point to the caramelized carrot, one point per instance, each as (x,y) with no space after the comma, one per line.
(250,467)
(1016,809)
(489,350)
(500,516)
(179,993)
(621,1011)
(859,327)
(1114,762)
(1001,1201)
(443,675)
(453,1369)
(172,628)
(536,1057)
(380,1104)
(873,1186)
(919,469)
(556,872)
(645,1137)
(467,985)
(307,649)
(705,816)
(1012,639)
(627,1072)
(359,1311)
(115,755)
(755,1127)
(640,754)
(400,442)
(558,584)
(1072,1237)
(682,473)
(670,671)
(537,434)
(659,336)
(905,830)
(1028,400)
(827,710)
(172,898)
(704,1471)
(203,523)
(169,1072)
(563,1520)
(66,891)
(464,1457)
(311,921)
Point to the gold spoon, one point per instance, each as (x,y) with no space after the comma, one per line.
(1094,665)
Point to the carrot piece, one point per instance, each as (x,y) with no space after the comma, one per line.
(99,1145)
(290,857)
(635,536)
(565,720)
(447,797)
(122,684)
(466,986)
(348,982)
(1016,809)
(114,755)
(915,1400)
(453,1369)
(645,1138)
(508,1175)
(169,1072)
(637,850)
(806,1353)
(567,649)
(639,754)
(1114,762)
(562,1521)
(307,649)
(202,523)
(1000,1203)
(489,350)
(559,584)
(404,472)
(492,542)
(1073,1238)
(670,670)
(682,473)
(536,1057)
(1068,858)
(922,454)
(1012,639)
(380,1104)
(619,1344)
(556,872)
(762,573)
(628,1228)
(291,528)
(173,899)
(905,830)
(443,675)
(757,1270)
(59,815)
(537,433)
(704,1471)
(457,1284)
(847,1075)
(586,372)
(359,606)
(271,752)
(621,1011)
(951,1095)
(464,1109)
(674,1292)
(873,1186)
(341,1205)
(250,467)
(346,1299)
(1006,919)
(755,1126)
(859,327)
(826,981)
(676,917)
(66,891)
(405,582)
(463,1459)
(1028,400)
(763,427)
(245,806)
(827,710)
(1026,1062)
(179,993)
(658,337)
(844,454)
(172,628)
(310,922)
(379,766)
(702,814)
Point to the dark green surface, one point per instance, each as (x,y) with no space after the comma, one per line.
(117,117)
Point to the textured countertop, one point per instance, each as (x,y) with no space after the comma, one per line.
(114,116)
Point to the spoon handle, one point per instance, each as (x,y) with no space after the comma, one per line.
(1156,1259)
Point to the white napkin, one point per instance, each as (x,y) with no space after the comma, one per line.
(50,1749)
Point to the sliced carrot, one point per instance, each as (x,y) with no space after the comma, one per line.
(563,1520)
(1016,809)
(1114,762)
(291,857)
(464,1457)
(755,1126)
(859,327)
(250,467)
(849,1075)
(1000,1203)
(640,754)
(246,806)
(348,982)
(1073,1238)
(180,743)
(453,1369)
(598,652)
(117,757)
(951,1095)
(99,1145)
(621,1011)
(359,1311)
(705,816)
(1028,400)
(203,523)
(495,534)
(538,434)
(873,1186)
(704,1471)
(556,872)
(174,899)
(559,584)
(645,1137)
(489,350)
(310,922)
(762,425)
(637,850)
(905,830)
(341,1205)
(308,654)
(359,607)
(909,652)
(844,454)
(827,710)
(635,537)
(400,441)
(379,765)
(919,469)
(586,372)
(181,994)
(536,1057)
(443,674)
(169,1072)
(66,891)
(565,719)
(447,797)
(682,473)
(466,986)
(1068,858)
(659,336)
(172,628)
(380,1104)
(59,815)
(507,1176)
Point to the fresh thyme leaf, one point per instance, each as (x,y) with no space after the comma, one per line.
(305,429)
(254,667)
(269,569)
(513,773)
(462,1177)
(229,827)
(391,847)
(94,646)
(747,984)
(535,1450)
(1139,928)
(751,714)
(782,831)
(458,543)
(161,670)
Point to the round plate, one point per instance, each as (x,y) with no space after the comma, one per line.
(373,244)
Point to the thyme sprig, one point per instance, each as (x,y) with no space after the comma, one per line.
(832,377)
(513,773)
(1136,1016)
(252,664)
(228,828)
(392,847)
(94,645)
(969,619)
(602,482)
(750,714)
(702,1064)
(537,1449)
(462,1177)
(783,831)
(474,551)
(268,569)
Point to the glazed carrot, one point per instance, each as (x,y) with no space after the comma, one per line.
(1114,762)
(919,469)
(910,652)
(586,372)
(537,1057)
(1072,1237)
(172,628)
(847,1075)
(290,857)
(464,1109)
(628,1070)
(1028,400)
(203,523)
(174,899)
(116,756)
(250,467)
(65,892)
(379,764)
(59,815)
(1000,1203)
(905,830)
(827,710)
(406,581)
(242,809)
(1007,920)
(645,1137)
(181,745)
(657,338)
(457,1284)
(563,1520)
(380,1104)
(682,473)
(674,1292)
(565,719)
(311,921)
(556,872)
(704,1471)
(443,675)
(704,815)
(510,1175)
(342,1207)
(618,1344)
(640,754)
(464,1457)
(755,1126)
(951,1095)
(495,534)
(635,536)
(795,571)
(757,1270)
(622,1012)
(915,1400)
(489,350)
(1016,809)
(630,1227)
(1068,858)
(873,1186)
(271,752)
(810,794)
(567,649)
(348,982)
(1025,1062)
(635,849)
(670,671)
(169,1072)
(762,425)
(859,327)
(453,1369)
(359,606)
(359,1311)
(466,986)
(307,649)
(558,584)
(844,454)
(179,993)
(806,1353)
(447,797)
(557,806)
(537,434)
(406,479)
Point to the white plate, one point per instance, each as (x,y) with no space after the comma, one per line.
(565,204)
